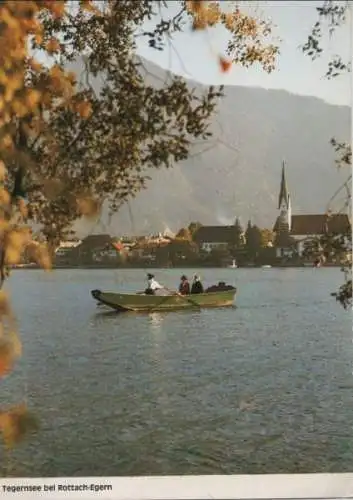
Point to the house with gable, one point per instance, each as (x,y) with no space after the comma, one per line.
(210,238)
(95,248)
(146,247)
(64,252)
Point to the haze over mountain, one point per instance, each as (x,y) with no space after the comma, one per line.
(238,174)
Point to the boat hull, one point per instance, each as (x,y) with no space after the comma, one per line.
(123,302)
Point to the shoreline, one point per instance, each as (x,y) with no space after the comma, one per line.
(95,267)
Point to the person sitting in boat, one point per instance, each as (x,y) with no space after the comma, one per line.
(184,287)
(153,287)
(197,286)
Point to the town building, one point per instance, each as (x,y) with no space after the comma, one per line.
(210,238)
(64,251)
(146,247)
(295,232)
(95,248)
(66,246)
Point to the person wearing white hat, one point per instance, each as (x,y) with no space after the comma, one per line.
(197,286)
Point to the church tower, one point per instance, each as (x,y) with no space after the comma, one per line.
(284,204)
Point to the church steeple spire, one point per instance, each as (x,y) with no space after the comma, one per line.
(283,199)
(284,204)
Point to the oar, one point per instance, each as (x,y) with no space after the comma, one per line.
(185,297)
(175,294)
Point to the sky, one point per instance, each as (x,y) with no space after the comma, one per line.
(194,55)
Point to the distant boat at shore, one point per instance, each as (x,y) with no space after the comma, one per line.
(233,265)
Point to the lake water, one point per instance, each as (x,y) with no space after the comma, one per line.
(262,388)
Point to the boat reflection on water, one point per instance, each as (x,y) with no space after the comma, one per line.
(156,321)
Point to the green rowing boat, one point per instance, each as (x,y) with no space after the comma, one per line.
(124,302)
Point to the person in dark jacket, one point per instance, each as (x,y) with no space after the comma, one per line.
(184,287)
(197,286)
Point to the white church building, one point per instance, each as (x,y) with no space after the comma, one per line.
(294,231)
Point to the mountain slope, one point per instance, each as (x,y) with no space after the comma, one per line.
(239,172)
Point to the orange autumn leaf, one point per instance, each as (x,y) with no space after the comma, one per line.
(32,98)
(52,46)
(38,38)
(35,65)
(6,365)
(6,142)
(88,6)
(18,237)
(30,24)
(5,309)
(7,356)
(47,98)
(3,171)
(12,256)
(19,108)
(4,227)
(16,343)
(9,19)
(14,242)
(39,253)
(56,7)
(14,82)
(71,77)
(213,14)
(16,423)
(43,257)
(225,64)
(84,109)
(5,197)
(56,72)
(196,6)
(199,24)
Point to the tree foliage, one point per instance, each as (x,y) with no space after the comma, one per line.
(220,255)
(267,238)
(180,250)
(193,227)
(253,240)
(183,234)
(332,15)
(102,145)
(238,234)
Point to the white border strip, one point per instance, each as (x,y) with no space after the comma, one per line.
(284,486)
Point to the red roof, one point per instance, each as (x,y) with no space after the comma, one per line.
(119,246)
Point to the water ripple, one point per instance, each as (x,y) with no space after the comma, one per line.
(257,389)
